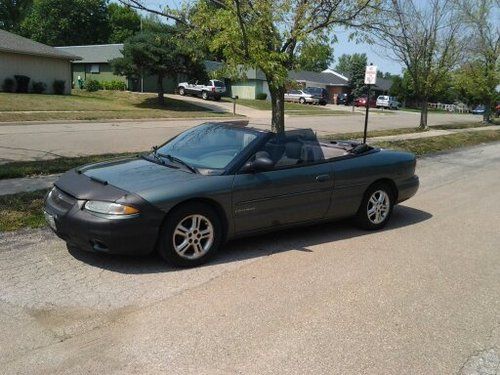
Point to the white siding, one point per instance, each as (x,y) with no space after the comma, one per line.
(44,69)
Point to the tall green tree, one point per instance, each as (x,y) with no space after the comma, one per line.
(67,22)
(12,13)
(124,22)
(425,37)
(267,34)
(163,53)
(479,75)
(314,56)
(354,67)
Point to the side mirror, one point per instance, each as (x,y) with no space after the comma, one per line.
(260,164)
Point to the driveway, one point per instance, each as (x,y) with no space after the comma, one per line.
(420,297)
(49,140)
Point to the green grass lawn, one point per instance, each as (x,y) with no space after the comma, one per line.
(82,105)
(22,210)
(291,109)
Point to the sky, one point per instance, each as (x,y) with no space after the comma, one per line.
(375,55)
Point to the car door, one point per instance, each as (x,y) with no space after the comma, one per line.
(289,194)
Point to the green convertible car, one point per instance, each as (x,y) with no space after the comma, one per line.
(219,181)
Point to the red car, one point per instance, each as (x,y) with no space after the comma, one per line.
(361,102)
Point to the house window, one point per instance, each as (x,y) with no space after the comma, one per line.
(94,68)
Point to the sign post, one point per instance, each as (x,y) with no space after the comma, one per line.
(370,79)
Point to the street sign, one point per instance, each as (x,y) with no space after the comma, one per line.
(371,75)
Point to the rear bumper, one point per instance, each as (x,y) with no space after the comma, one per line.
(408,188)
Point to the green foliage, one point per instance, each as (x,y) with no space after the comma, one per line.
(124,22)
(92,85)
(314,56)
(113,85)
(12,12)
(261,96)
(163,52)
(38,87)
(354,67)
(58,86)
(67,22)
(22,83)
(8,85)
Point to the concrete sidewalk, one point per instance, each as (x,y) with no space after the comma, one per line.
(26,184)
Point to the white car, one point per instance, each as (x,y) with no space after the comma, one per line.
(389,102)
(301,97)
(210,89)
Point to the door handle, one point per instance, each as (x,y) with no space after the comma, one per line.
(323,177)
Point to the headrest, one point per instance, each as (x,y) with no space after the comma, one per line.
(293,150)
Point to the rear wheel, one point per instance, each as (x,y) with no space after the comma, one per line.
(191,235)
(182,91)
(302,100)
(376,207)
(204,95)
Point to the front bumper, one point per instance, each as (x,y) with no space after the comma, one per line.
(134,234)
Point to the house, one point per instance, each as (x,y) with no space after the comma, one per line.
(333,82)
(39,62)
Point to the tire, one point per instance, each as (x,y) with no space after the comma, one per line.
(182,92)
(204,95)
(181,242)
(302,100)
(371,200)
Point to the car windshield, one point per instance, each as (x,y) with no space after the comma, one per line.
(218,84)
(209,146)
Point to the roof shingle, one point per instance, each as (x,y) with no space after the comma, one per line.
(14,43)
(102,53)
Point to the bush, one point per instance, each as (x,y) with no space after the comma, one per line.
(114,85)
(59,86)
(8,85)
(22,83)
(38,87)
(92,85)
(261,96)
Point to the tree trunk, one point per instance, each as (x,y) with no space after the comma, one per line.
(161,92)
(278,108)
(423,114)
(487,114)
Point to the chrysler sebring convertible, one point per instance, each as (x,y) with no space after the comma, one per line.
(218,181)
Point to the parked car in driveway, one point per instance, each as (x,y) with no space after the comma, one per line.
(210,89)
(479,110)
(218,181)
(302,97)
(361,102)
(343,99)
(319,92)
(388,102)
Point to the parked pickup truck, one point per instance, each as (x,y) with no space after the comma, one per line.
(301,97)
(210,89)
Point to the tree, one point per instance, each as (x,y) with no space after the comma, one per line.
(162,53)
(314,56)
(423,36)
(479,76)
(124,22)
(67,22)
(267,34)
(12,12)
(354,67)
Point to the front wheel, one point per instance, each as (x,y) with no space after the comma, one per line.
(302,100)
(182,92)
(376,207)
(204,95)
(191,235)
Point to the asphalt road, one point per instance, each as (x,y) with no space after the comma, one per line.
(421,297)
(35,141)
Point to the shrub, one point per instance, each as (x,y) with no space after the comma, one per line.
(114,85)
(38,87)
(92,85)
(8,85)
(261,96)
(22,83)
(59,86)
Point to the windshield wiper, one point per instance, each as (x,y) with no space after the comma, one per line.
(179,161)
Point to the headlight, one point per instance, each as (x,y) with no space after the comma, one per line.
(110,208)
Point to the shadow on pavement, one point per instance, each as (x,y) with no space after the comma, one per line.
(253,247)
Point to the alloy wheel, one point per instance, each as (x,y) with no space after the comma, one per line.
(378,207)
(193,237)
